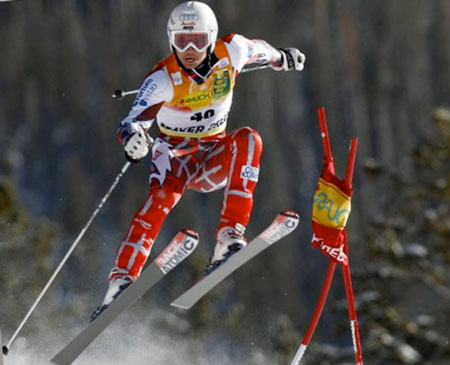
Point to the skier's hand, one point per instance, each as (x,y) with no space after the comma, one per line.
(291,59)
(137,144)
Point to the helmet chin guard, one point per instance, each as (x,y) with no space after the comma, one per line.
(192,24)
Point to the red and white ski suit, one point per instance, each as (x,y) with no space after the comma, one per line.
(192,150)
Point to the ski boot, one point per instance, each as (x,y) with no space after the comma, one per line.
(229,241)
(116,287)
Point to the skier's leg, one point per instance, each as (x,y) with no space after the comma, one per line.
(234,164)
(144,228)
(171,170)
(137,244)
(243,171)
(168,181)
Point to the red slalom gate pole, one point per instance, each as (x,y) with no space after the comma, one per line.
(317,313)
(346,269)
(327,154)
(351,162)
(328,158)
(352,310)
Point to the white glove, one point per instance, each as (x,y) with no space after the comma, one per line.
(137,145)
(291,59)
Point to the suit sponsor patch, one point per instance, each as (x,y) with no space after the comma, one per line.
(176,77)
(146,91)
(223,62)
(250,173)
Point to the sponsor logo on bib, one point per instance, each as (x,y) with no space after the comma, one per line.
(222,84)
(197,100)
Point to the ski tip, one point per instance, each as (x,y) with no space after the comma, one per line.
(191,232)
(290,213)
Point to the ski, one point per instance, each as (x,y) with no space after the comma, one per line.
(181,246)
(284,223)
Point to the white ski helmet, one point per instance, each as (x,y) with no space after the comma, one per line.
(192,23)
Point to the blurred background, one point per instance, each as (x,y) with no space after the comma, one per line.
(381,70)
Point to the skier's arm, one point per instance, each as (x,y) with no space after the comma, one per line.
(255,51)
(132,132)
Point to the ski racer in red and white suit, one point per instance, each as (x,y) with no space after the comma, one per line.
(190,106)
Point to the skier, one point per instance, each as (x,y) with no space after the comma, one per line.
(189,95)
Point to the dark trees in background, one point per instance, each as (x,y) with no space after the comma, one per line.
(380,69)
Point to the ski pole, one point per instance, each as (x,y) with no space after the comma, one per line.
(119,94)
(1,355)
(5,348)
(255,68)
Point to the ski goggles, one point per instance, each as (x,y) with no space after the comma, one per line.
(182,41)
